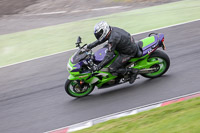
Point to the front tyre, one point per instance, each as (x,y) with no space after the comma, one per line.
(75,90)
(162,67)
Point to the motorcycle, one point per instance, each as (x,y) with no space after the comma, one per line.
(82,80)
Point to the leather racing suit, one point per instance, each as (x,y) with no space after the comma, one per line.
(121,41)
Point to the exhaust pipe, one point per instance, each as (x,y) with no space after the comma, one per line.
(148,70)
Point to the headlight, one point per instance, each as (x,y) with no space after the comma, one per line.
(69,68)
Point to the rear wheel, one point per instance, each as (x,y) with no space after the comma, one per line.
(75,90)
(162,67)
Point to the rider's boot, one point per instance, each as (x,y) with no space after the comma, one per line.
(134,75)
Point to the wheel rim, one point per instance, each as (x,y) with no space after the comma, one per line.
(73,87)
(161,66)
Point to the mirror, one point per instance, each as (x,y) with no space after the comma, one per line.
(78,40)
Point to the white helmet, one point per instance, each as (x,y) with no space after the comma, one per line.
(101,30)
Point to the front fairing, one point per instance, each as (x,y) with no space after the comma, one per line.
(76,74)
(76,64)
(76,69)
(79,76)
(77,61)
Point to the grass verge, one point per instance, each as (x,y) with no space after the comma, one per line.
(30,44)
(183,117)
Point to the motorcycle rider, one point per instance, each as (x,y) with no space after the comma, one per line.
(119,40)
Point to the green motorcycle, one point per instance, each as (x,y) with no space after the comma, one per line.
(82,81)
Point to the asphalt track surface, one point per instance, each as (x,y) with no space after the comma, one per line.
(33,100)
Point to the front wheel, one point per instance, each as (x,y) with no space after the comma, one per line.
(76,90)
(162,67)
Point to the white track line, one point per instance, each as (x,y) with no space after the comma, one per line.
(106,8)
(76,48)
(169,26)
(75,11)
(45,13)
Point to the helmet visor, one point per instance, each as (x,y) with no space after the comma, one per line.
(98,34)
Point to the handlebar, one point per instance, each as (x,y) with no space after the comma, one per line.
(83,46)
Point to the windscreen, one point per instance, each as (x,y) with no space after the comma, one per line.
(78,56)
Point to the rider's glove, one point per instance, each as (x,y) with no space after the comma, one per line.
(87,48)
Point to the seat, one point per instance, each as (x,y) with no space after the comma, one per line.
(139,49)
(140,44)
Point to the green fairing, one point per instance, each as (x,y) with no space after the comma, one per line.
(142,62)
(71,77)
(72,67)
(88,79)
(137,59)
(105,78)
(145,64)
(78,76)
(148,40)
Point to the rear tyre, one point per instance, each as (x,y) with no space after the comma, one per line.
(73,89)
(162,67)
